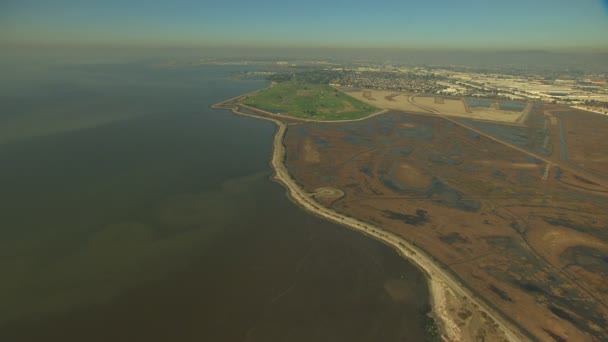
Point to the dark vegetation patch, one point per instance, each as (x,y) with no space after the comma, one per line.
(554,336)
(433,332)
(515,226)
(366,170)
(584,180)
(421,217)
(393,184)
(327,178)
(464,314)
(599,232)
(439,192)
(420,132)
(531,138)
(563,314)
(355,187)
(529,287)
(501,242)
(453,237)
(525,177)
(386,128)
(399,152)
(497,173)
(321,142)
(533,160)
(352,140)
(591,259)
(563,223)
(472,134)
(502,294)
(558,173)
(443,159)
(453,201)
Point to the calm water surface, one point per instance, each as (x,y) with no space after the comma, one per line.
(130,211)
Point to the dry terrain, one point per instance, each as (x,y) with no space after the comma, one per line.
(459,107)
(493,204)
(384,99)
(517,211)
(460,314)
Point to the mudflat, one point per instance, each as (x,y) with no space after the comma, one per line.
(522,229)
(508,227)
(451,301)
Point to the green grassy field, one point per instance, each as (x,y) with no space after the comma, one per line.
(309,101)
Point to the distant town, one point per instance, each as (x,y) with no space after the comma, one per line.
(586,91)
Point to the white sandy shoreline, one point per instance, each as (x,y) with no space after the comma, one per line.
(442,285)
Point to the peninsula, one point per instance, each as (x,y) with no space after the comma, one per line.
(448,295)
(475,193)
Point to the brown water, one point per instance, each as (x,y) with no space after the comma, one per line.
(132,212)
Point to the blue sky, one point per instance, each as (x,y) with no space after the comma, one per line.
(387,23)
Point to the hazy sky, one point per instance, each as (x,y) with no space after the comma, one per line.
(388,23)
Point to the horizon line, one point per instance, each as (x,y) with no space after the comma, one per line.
(438,48)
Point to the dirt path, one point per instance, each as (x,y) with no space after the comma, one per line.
(444,287)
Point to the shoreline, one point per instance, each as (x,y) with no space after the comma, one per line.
(444,289)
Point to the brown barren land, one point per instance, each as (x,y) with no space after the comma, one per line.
(432,104)
(508,220)
(451,301)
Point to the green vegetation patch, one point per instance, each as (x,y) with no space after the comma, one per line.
(309,101)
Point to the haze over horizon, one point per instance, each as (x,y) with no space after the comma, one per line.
(469,24)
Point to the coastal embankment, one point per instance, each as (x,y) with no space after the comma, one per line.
(449,297)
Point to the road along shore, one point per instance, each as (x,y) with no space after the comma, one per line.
(447,293)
